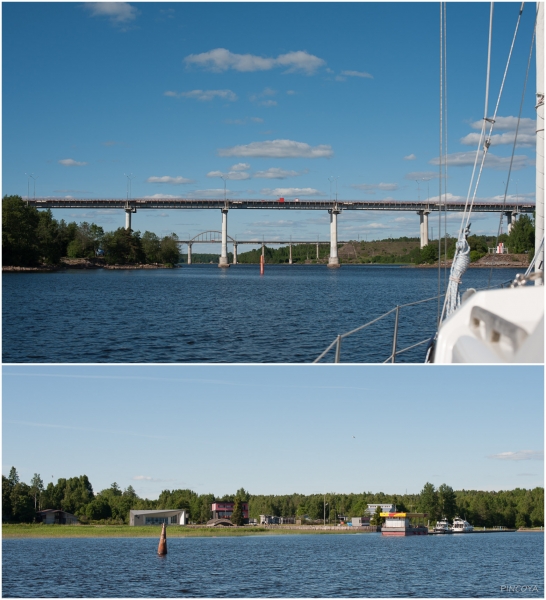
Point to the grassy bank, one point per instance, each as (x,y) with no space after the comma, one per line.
(126,531)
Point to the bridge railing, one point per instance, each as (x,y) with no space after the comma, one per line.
(396,310)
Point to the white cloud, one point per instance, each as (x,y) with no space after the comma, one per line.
(269,103)
(524,139)
(509,124)
(520,455)
(172,180)
(492,161)
(410,157)
(117,12)
(233,175)
(70,162)
(256,120)
(275,173)
(240,167)
(204,95)
(526,132)
(291,192)
(421,175)
(385,187)
(161,196)
(291,92)
(278,149)
(221,59)
(357,74)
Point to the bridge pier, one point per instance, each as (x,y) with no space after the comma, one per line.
(423,227)
(289,254)
(234,253)
(223,263)
(317,251)
(189,253)
(128,211)
(333,260)
(511,219)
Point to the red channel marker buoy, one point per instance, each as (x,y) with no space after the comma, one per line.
(162,548)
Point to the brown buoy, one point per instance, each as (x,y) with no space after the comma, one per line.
(162,548)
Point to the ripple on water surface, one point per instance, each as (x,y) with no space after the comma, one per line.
(205,314)
(343,565)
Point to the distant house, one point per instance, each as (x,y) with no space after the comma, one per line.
(272,520)
(50,516)
(224,510)
(384,508)
(360,521)
(158,517)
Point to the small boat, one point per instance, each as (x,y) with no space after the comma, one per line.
(442,526)
(398,523)
(461,526)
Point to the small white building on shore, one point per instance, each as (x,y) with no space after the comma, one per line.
(158,517)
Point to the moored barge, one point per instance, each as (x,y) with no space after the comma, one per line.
(398,523)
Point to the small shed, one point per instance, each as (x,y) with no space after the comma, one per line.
(50,516)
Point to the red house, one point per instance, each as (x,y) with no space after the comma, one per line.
(224,510)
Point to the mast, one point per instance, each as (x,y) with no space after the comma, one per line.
(539,218)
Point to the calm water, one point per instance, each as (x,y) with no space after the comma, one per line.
(365,565)
(205,314)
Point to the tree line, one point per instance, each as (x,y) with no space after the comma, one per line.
(511,508)
(32,237)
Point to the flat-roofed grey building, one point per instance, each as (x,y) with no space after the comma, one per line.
(158,517)
(384,508)
(50,516)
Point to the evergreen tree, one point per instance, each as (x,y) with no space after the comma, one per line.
(447,502)
(237,517)
(428,501)
(377,519)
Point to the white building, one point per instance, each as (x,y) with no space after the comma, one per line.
(158,517)
(384,508)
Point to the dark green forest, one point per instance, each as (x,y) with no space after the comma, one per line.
(510,508)
(32,237)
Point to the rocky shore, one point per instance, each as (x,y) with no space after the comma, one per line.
(83,263)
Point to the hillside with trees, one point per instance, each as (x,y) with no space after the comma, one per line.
(510,508)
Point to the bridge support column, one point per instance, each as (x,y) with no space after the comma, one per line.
(289,254)
(423,227)
(189,253)
(223,263)
(511,217)
(234,253)
(128,211)
(333,260)
(317,251)
(263,249)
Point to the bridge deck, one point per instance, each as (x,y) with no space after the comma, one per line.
(189,203)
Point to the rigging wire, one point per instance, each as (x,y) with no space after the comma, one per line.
(440,160)
(515,141)
(492,120)
(458,267)
(446,152)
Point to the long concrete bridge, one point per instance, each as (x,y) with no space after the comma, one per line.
(334,208)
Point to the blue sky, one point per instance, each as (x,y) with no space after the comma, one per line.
(276,429)
(275,97)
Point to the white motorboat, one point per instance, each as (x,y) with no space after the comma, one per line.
(461,526)
(442,526)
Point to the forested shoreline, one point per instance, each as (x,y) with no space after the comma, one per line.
(509,508)
(32,237)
